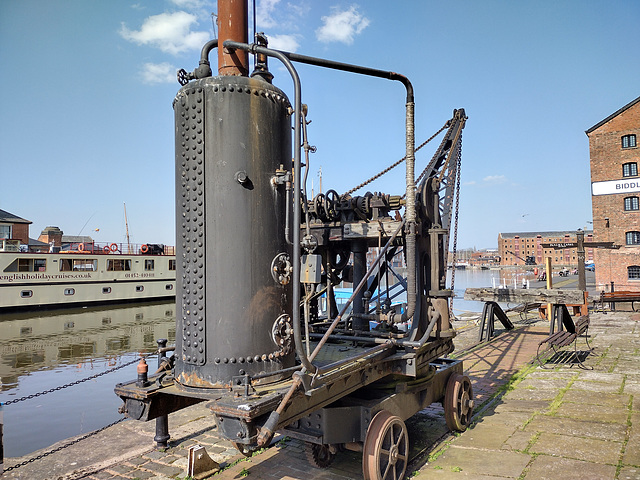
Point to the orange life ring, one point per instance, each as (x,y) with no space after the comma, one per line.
(144,248)
(81,247)
(113,247)
(106,249)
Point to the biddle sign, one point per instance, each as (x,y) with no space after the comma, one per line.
(615,186)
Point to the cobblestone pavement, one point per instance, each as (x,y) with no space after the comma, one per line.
(564,422)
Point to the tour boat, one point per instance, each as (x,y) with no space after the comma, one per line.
(84,274)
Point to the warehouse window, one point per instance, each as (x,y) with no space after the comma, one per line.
(634,272)
(630,169)
(633,238)
(631,203)
(629,141)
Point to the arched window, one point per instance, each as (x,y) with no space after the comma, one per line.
(631,203)
(633,238)
(633,272)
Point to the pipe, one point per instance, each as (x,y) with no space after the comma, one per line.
(232,24)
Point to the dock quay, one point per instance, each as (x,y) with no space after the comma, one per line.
(529,423)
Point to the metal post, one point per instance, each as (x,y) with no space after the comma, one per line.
(359,271)
(582,280)
(612,305)
(162,423)
(549,271)
(1,442)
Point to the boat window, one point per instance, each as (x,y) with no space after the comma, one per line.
(26,294)
(168,286)
(139,288)
(148,265)
(106,289)
(27,265)
(172,264)
(119,265)
(78,265)
(69,291)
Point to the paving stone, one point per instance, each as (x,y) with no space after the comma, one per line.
(474,462)
(519,441)
(616,400)
(579,428)
(591,413)
(604,387)
(486,436)
(588,449)
(629,473)
(552,468)
(533,394)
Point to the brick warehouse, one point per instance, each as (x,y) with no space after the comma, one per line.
(515,248)
(615,197)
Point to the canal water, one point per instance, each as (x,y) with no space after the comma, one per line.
(43,351)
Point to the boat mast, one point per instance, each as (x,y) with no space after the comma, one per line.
(126,226)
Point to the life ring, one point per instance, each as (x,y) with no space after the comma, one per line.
(106,249)
(144,248)
(81,247)
(113,247)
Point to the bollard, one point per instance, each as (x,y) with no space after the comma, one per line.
(162,423)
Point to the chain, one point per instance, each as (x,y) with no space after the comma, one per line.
(455,226)
(61,447)
(389,168)
(77,382)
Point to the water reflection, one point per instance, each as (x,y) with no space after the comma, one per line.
(43,350)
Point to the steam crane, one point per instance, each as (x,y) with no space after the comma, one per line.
(255,255)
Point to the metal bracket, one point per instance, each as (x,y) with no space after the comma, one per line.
(199,464)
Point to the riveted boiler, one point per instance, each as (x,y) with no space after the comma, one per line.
(260,334)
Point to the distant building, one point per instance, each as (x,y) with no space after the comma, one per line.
(525,248)
(13,227)
(615,196)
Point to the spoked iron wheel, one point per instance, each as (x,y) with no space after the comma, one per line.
(320,455)
(458,402)
(386,448)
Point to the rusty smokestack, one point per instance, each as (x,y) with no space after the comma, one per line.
(232,25)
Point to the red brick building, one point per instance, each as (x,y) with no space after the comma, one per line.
(515,248)
(13,227)
(615,196)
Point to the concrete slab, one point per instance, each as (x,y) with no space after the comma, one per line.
(577,448)
(552,468)
(579,428)
(629,473)
(519,441)
(535,394)
(615,386)
(616,400)
(475,462)
(486,436)
(592,413)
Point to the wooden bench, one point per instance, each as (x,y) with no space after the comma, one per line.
(621,296)
(567,336)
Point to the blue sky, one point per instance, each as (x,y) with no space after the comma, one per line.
(87,89)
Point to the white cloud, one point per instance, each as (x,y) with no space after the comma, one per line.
(341,26)
(264,12)
(189,4)
(495,179)
(153,73)
(170,32)
(288,43)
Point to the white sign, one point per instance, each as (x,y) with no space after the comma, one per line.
(615,186)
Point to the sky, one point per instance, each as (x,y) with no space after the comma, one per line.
(86,124)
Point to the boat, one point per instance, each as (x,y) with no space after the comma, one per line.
(82,274)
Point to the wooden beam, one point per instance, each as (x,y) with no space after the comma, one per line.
(533,295)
